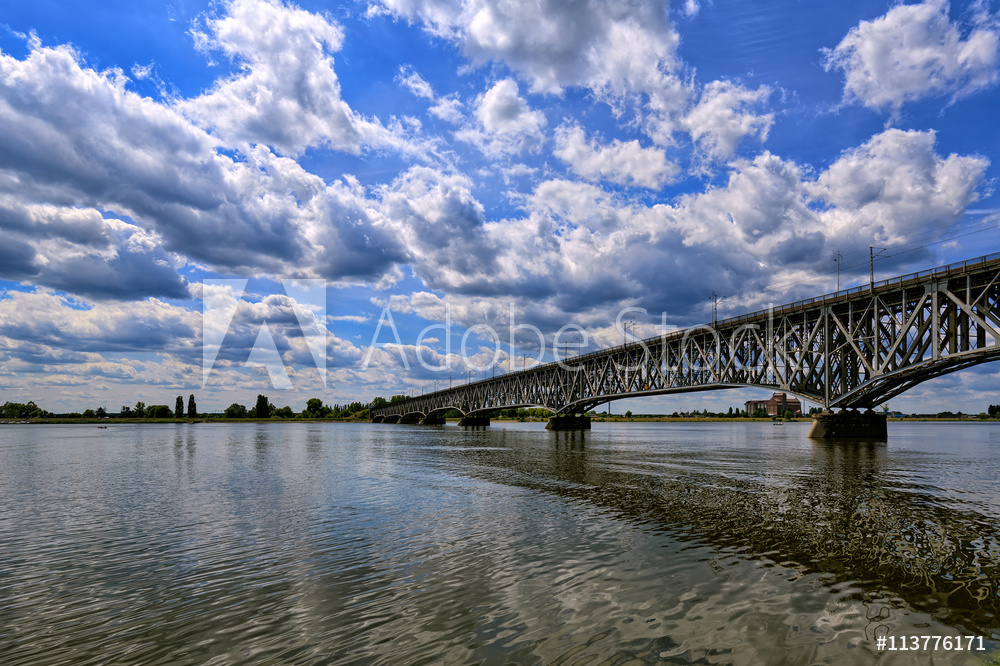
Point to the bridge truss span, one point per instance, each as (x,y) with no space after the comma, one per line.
(853,349)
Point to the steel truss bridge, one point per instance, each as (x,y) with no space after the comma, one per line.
(852,349)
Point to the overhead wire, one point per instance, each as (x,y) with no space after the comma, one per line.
(989,224)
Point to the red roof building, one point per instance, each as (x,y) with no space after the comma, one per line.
(776,406)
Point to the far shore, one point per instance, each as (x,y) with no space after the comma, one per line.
(532,419)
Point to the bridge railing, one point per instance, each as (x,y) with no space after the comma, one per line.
(958,266)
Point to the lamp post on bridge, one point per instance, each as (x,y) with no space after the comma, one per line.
(576,339)
(629,324)
(871,264)
(839,258)
(715,308)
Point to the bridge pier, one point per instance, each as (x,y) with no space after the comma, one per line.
(432,420)
(568,422)
(474,421)
(849,425)
(410,419)
(392,418)
(378,419)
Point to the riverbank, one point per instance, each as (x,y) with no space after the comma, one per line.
(532,419)
(207,419)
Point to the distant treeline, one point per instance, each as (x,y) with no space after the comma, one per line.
(16,410)
(263,408)
(315,409)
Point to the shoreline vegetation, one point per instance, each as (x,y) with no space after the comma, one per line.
(357,412)
(220,418)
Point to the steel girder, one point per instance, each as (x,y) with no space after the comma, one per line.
(851,349)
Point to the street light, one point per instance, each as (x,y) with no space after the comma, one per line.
(715,308)
(871,259)
(627,325)
(839,258)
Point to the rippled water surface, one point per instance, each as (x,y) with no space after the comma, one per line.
(391,544)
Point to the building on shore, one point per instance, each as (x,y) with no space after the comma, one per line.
(776,406)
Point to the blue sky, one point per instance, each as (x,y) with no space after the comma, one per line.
(468,162)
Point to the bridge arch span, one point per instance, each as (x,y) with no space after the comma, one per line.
(888,386)
(441,411)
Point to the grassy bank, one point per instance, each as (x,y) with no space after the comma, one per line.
(529,419)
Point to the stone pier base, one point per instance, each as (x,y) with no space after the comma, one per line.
(849,425)
(474,421)
(568,423)
(432,420)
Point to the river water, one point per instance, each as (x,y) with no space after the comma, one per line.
(390,544)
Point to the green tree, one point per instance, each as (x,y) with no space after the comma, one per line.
(379,401)
(88,414)
(628,414)
(284,412)
(789,415)
(140,409)
(236,411)
(192,407)
(159,412)
(101,413)
(315,409)
(179,407)
(263,408)
(16,410)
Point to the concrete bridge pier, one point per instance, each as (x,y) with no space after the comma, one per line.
(568,422)
(849,424)
(410,419)
(378,419)
(432,420)
(474,421)
(393,418)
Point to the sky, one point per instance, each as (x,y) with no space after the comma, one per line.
(346,200)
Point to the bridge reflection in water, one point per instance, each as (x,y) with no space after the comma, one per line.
(836,511)
(853,349)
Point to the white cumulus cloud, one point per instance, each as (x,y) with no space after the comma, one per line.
(620,162)
(285,92)
(507,125)
(625,53)
(105,148)
(913,52)
(724,114)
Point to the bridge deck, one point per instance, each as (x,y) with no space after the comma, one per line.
(853,348)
